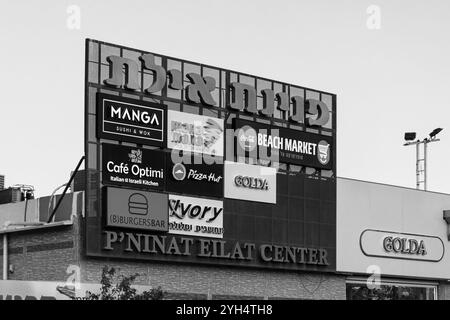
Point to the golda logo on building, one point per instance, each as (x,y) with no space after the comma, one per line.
(251,182)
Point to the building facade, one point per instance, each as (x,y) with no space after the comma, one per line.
(392,241)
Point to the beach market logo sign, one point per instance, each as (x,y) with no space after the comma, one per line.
(242,96)
(324,152)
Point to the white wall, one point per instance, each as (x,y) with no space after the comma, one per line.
(363,205)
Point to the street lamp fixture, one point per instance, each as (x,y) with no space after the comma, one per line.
(435,132)
(410,136)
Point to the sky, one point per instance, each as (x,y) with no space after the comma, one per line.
(390,70)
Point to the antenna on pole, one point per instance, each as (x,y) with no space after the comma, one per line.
(421,161)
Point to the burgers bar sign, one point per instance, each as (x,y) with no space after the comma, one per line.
(242,97)
(136,209)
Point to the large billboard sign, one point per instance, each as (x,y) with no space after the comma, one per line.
(195,177)
(195,216)
(136,209)
(195,134)
(262,141)
(133,167)
(129,120)
(250,182)
(165,181)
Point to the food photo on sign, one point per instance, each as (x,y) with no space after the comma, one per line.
(195,133)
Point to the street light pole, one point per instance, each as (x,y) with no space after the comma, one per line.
(409,136)
(417,167)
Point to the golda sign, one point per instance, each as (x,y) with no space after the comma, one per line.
(134,167)
(195,216)
(136,209)
(130,120)
(250,182)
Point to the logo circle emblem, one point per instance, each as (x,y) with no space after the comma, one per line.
(247,138)
(323,154)
(179,171)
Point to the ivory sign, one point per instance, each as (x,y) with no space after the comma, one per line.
(395,245)
(195,216)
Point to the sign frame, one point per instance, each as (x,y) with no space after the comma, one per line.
(155,155)
(399,234)
(102,134)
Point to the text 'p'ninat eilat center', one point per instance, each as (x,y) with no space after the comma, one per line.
(215,184)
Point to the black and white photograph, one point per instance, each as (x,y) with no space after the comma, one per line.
(225,159)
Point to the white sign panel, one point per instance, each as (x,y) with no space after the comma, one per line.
(399,230)
(195,133)
(250,182)
(396,245)
(195,216)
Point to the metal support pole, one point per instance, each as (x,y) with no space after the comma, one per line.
(65,189)
(5,256)
(425,165)
(421,172)
(417,167)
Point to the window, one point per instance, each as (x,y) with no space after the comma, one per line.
(359,290)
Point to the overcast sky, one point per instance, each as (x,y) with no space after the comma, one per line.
(388,80)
